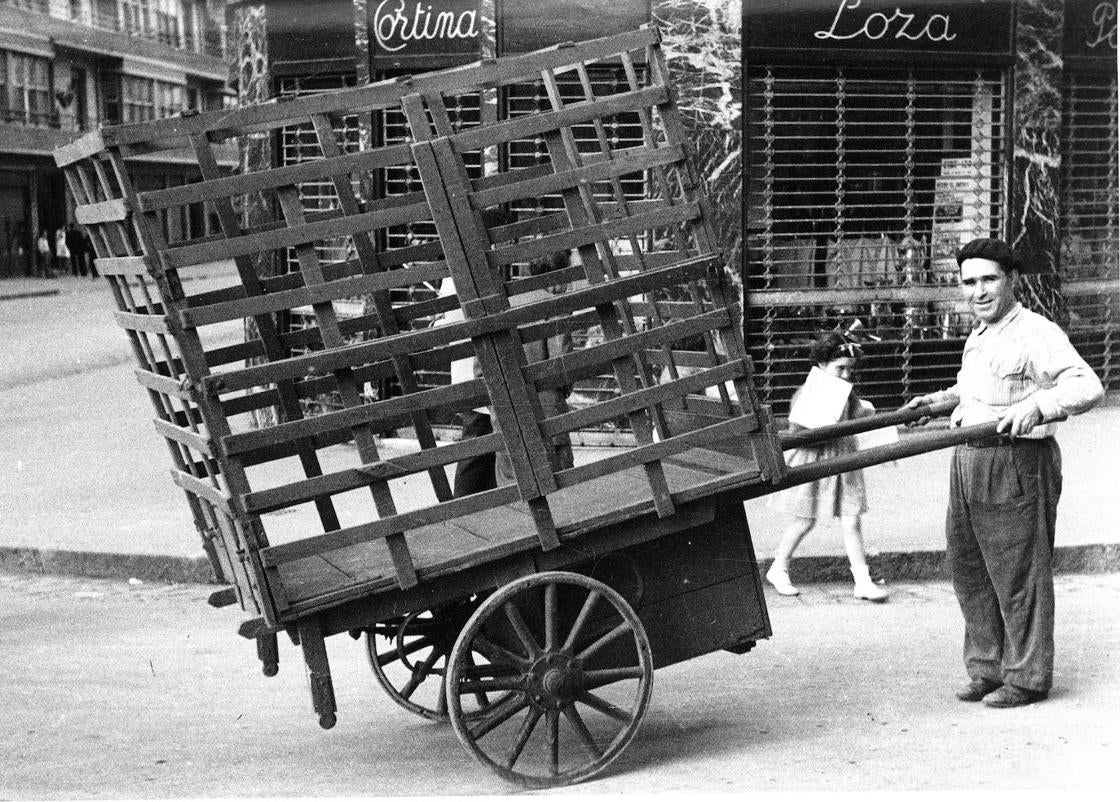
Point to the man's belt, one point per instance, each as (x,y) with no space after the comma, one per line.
(1003,440)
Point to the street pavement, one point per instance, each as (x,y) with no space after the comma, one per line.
(84,484)
(118,690)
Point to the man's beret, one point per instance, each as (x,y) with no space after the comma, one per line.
(995,250)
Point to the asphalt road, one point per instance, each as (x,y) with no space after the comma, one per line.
(123,691)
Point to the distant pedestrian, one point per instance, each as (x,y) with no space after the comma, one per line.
(43,254)
(842,496)
(62,253)
(1020,369)
(74,245)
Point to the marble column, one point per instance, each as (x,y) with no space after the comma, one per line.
(1037,154)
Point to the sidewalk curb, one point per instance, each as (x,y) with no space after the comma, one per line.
(14,296)
(894,566)
(107,565)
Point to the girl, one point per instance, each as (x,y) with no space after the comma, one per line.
(841,496)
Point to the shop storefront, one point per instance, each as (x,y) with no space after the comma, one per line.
(880,136)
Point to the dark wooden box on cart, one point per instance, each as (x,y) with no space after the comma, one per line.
(313,525)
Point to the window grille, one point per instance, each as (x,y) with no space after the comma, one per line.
(1090,263)
(862,183)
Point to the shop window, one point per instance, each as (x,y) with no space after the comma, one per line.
(1090,262)
(110,91)
(170,98)
(862,184)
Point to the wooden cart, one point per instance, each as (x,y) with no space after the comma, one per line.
(532,614)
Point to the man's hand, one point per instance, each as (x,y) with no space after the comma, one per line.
(914,403)
(1020,418)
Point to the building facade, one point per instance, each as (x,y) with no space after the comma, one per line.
(67,66)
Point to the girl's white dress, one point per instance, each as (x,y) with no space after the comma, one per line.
(832,496)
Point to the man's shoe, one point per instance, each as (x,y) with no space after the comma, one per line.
(977,689)
(1013,696)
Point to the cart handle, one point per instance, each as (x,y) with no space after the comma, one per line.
(877,421)
(913,445)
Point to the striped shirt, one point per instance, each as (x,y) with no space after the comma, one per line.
(1022,355)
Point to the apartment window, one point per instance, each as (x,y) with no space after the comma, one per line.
(190,41)
(167,22)
(137,16)
(105,14)
(27,84)
(138,99)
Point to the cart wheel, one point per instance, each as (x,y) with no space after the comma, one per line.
(574,671)
(408,656)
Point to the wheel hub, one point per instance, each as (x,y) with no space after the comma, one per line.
(554,681)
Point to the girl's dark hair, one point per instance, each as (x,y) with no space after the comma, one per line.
(834,345)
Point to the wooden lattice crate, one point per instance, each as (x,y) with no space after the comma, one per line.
(643,287)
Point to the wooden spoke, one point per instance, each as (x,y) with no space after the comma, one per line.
(603,706)
(553,742)
(584,734)
(397,653)
(527,726)
(581,621)
(550,614)
(481,698)
(597,678)
(489,686)
(522,630)
(614,634)
(498,717)
(495,653)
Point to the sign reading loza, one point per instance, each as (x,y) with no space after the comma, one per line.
(851,23)
(1091,28)
(406,28)
(975,27)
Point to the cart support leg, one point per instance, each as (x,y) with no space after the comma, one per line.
(318,672)
(269,653)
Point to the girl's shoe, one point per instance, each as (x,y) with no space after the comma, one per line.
(865,588)
(779,578)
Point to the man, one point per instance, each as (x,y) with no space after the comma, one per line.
(1020,369)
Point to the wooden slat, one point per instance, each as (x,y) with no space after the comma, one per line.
(125,266)
(588,234)
(730,429)
(304,172)
(110,211)
(616,407)
(376,530)
(166,385)
(203,490)
(192,440)
(153,324)
(84,147)
(532,125)
(308,296)
(596,170)
(263,501)
(395,211)
(557,368)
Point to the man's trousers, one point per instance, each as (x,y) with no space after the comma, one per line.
(999,530)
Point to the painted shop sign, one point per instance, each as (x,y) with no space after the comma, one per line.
(411,29)
(919,26)
(1090,28)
